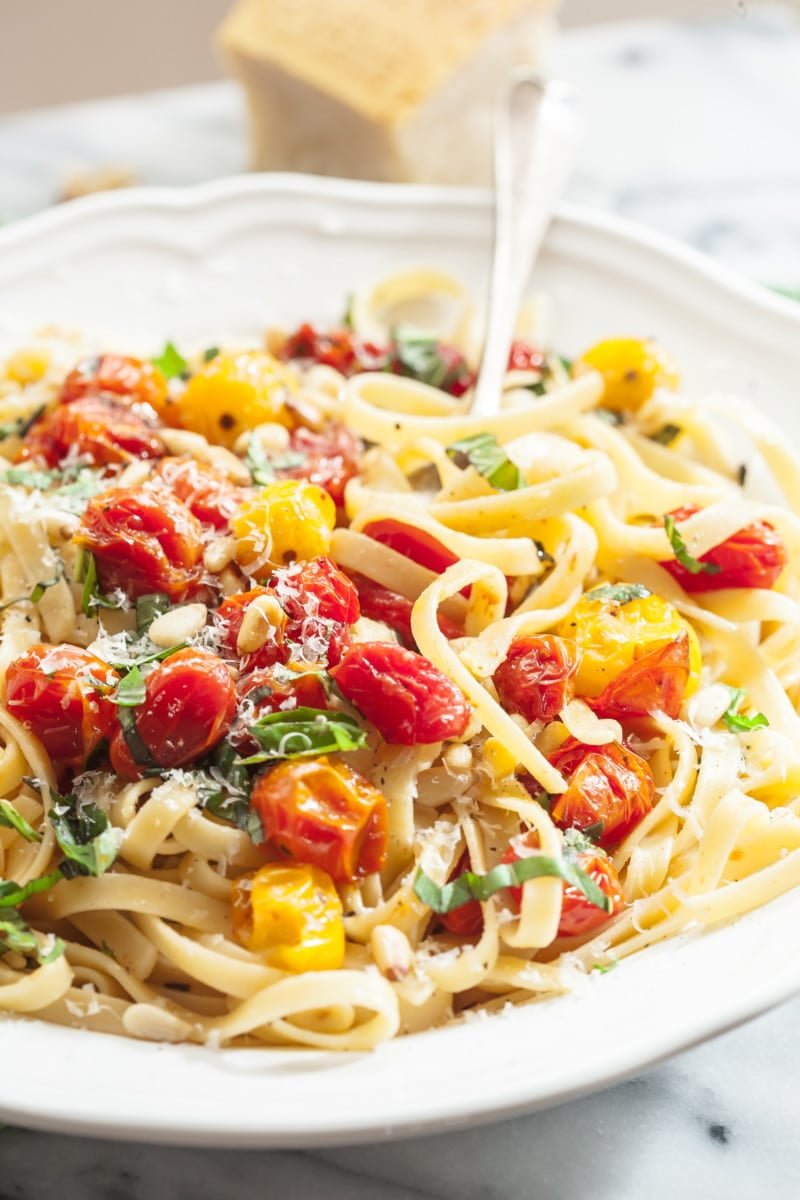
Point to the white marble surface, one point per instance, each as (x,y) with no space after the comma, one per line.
(692,129)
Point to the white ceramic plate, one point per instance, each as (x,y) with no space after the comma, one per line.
(140,266)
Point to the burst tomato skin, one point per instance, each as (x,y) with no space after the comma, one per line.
(144,541)
(325,814)
(265,691)
(606,784)
(228,619)
(52,691)
(380,603)
(752,557)
(118,377)
(408,700)
(339,349)
(189,704)
(101,432)
(578,915)
(207,493)
(330,459)
(320,604)
(466,920)
(537,677)
(655,682)
(524,357)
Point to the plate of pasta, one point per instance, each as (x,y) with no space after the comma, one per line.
(367,766)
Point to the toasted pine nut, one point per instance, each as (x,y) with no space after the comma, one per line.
(262,614)
(392,951)
(458,757)
(182,441)
(219,552)
(270,436)
(178,624)
(134,474)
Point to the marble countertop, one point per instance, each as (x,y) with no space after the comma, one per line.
(692,129)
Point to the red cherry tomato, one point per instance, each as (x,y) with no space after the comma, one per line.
(380,603)
(408,700)
(524,357)
(189,704)
(537,677)
(466,920)
(330,459)
(320,604)
(578,915)
(118,377)
(607,785)
(143,541)
(656,681)
(100,432)
(414,543)
(62,694)
(266,691)
(228,619)
(752,557)
(339,349)
(207,493)
(323,813)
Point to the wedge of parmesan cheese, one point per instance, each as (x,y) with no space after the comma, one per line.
(390,89)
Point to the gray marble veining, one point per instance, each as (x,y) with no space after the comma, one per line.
(693,129)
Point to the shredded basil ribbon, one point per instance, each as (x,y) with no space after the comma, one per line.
(487,456)
(469,886)
(302,732)
(262,466)
(148,607)
(11,819)
(619,593)
(734,719)
(170,362)
(38,591)
(85,836)
(682,555)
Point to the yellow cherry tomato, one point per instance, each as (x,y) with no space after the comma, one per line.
(611,635)
(233,393)
(292,915)
(632,369)
(288,520)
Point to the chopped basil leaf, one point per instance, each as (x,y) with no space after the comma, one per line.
(420,356)
(682,555)
(74,495)
(36,480)
(131,690)
(148,608)
(158,656)
(13,894)
(17,935)
(133,740)
(592,833)
(604,968)
(469,886)
(85,835)
(487,456)
(566,363)
(210,352)
(170,362)
(666,435)
(262,466)
(91,597)
(38,591)
(14,820)
(302,732)
(619,593)
(224,790)
(20,426)
(738,723)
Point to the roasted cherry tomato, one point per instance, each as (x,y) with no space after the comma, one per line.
(616,631)
(608,786)
(320,604)
(632,369)
(229,617)
(266,691)
(234,393)
(380,603)
(408,700)
(62,694)
(116,377)
(324,813)
(537,677)
(143,541)
(291,915)
(578,915)
(329,459)
(339,349)
(284,521)
(207,493)
(189,704)
(524,357)
(467,919)
(97,430)
(752,557)
(414,543)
